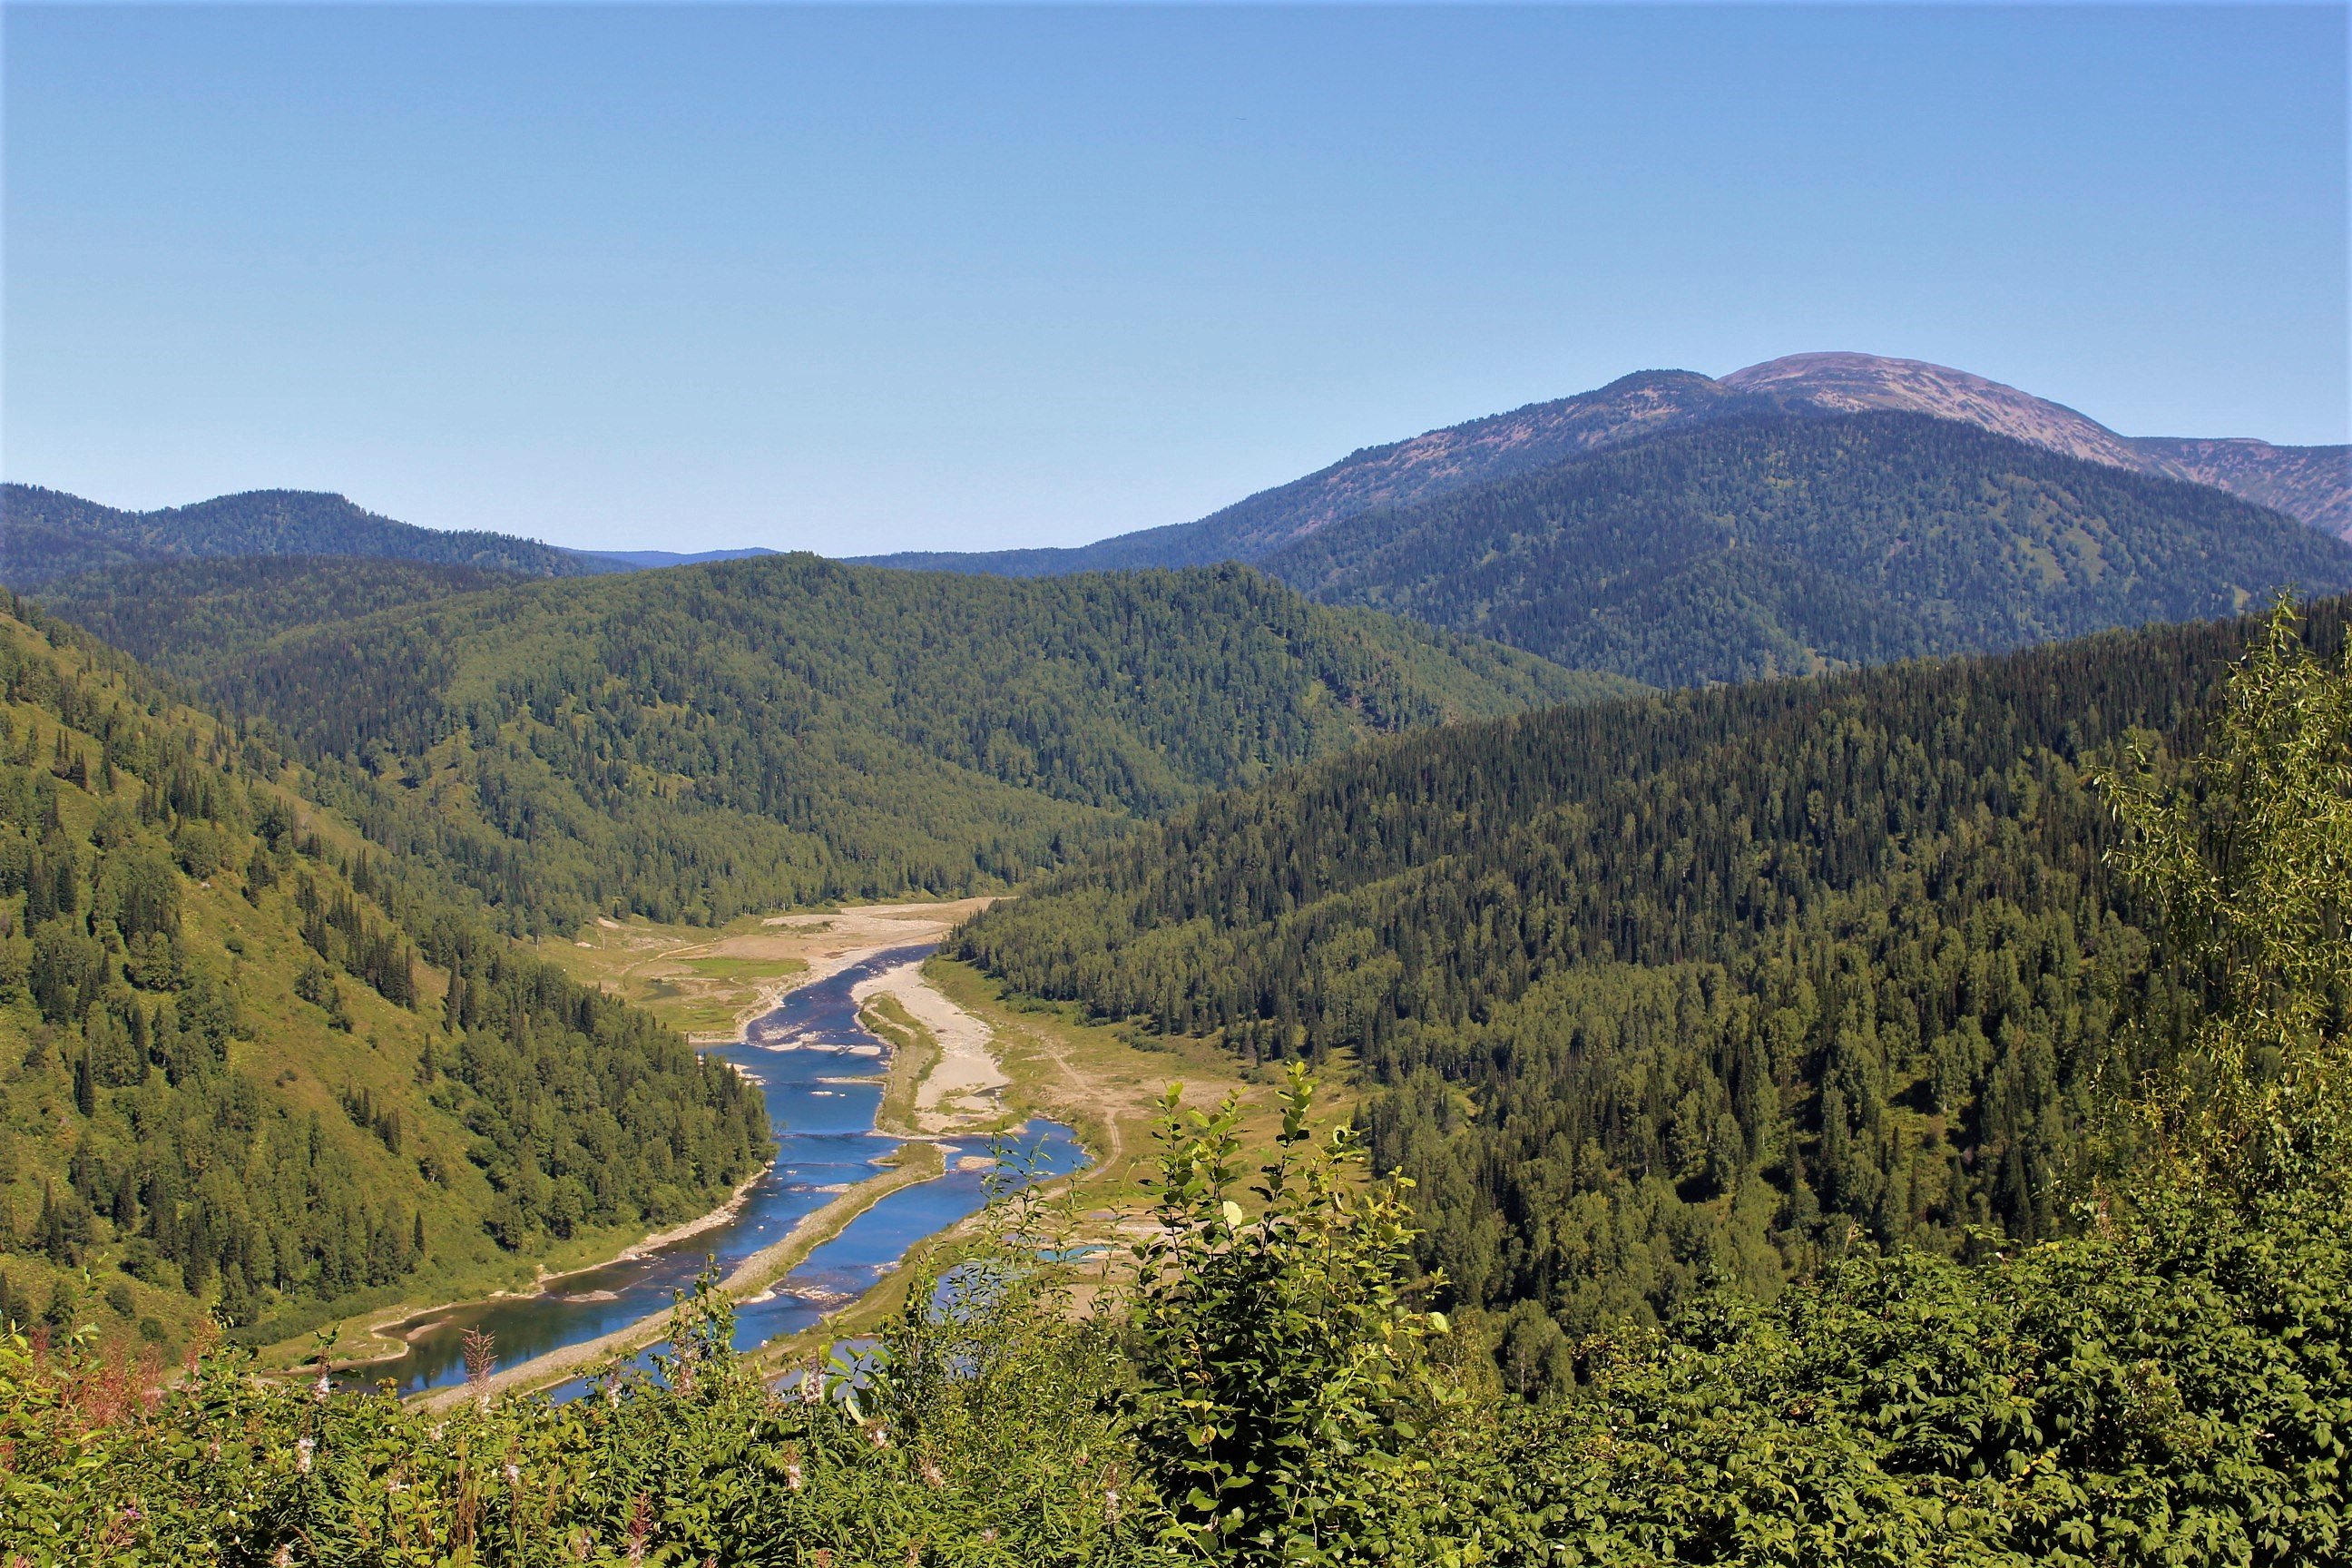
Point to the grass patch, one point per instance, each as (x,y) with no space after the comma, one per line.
(695,978)
(914,1052)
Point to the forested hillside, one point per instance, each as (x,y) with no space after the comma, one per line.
(47,533)
(189,617)
(257,1068)
(1788,544)
(1682,990)
(699,742)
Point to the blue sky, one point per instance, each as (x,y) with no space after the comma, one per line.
(861,279)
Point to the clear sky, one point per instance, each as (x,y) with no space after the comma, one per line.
(862,279)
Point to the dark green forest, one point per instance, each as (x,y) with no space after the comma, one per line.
(254,1066)
(1788,544)
(187,619)
(702,741)
(46,534)
(1666,993)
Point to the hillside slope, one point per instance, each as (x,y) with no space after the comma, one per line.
(1785,544)
(1675,991)
(184,618)
(2312,483)
(260,1070)
(706,741)
(46,534)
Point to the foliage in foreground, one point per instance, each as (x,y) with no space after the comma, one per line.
(2170,1390)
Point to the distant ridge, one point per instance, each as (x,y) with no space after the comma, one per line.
(2311,484)
(654,560)
(1791,543)
(46,534)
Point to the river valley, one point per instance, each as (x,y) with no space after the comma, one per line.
(823,1075)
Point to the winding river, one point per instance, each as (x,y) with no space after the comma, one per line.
(823,1076)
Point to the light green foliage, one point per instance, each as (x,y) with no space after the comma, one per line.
(2247,851)
(981,1440)
(1279,1369)
(2172,1388)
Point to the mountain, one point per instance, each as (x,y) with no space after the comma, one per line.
(1789,544)
(1861,384)
(1398,474)
(2312,484)
(47,533)
(263,1071)
(709,740)
(1672,991)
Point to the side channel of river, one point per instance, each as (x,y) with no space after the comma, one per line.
(821,1076)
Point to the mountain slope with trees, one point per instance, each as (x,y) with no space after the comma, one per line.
(186,617)
(259,1069)
(1788,544)
(2311,484)
(1677,992)
(46,534)
(709,740)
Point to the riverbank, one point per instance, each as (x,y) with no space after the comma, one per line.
(962,1085)
(912,1164)
(386,1328)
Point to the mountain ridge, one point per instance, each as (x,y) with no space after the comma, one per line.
(2312,484)
(46,534)
(1787,544)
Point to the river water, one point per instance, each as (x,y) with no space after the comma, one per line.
(823,1076)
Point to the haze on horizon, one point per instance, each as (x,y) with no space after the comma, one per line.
(864,280)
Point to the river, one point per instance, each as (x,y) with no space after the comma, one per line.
(823,1077)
